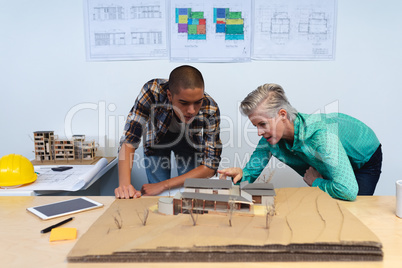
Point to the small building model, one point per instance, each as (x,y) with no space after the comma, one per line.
(48,148)
(78,140)
(44,145)
(83,149)
(63,149)
(213,195)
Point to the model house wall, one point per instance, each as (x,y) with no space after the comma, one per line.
(203,195)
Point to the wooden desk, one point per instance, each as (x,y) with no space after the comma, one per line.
(22,244)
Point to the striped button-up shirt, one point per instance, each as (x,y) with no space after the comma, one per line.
(152,112)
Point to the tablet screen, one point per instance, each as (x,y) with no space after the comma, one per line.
(64,207)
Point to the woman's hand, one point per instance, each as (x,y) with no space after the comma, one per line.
(235,173)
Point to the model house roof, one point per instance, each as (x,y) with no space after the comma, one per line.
(207,184)
(257,186)
(43,132)
(263,189)
(260,192)
(215,197)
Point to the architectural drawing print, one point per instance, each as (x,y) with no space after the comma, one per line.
(101,13)
(146,38)
(280,26)
(146,12)
(193,23)
(210,30)
(315,26)
(110,39)
(230,23)
(294,29)
(125,29)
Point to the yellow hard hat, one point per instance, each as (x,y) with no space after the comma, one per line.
(16,170)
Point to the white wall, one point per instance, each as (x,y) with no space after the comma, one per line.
(45,78)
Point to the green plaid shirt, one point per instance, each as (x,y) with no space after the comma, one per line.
(334,144)
(153,112)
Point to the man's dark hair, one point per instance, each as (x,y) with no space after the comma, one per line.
(184,77)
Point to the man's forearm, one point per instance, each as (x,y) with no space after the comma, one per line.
(126,155)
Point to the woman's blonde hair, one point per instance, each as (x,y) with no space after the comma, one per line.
(272,98)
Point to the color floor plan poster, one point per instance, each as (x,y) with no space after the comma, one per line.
(210,30)
(294,29)
(125,29)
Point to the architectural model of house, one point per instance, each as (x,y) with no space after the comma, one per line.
(308,225)
(48,147)
(213,195)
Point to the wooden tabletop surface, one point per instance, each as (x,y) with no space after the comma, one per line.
(22,244)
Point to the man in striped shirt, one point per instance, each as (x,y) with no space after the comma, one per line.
(172,115)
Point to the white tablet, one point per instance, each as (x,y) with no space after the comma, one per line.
(64,208)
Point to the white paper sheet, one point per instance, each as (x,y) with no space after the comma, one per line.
(294,29)
(125,29)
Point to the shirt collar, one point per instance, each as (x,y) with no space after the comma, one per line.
(298,128)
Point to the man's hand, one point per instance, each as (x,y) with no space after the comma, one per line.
(310,175)
(235,173)
(153,188)
(126,192)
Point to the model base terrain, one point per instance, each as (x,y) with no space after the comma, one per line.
(308,225)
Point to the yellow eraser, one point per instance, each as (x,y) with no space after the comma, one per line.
(58,234)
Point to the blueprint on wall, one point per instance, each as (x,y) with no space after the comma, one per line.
(125,29)
(294,29)
(210,30)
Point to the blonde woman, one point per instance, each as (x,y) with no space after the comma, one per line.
(335,152)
